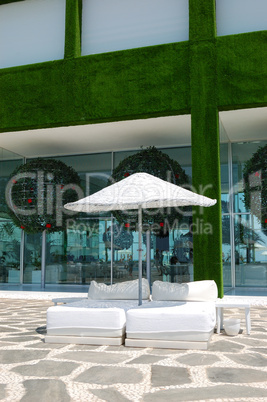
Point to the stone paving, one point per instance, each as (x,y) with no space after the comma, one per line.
(232,369)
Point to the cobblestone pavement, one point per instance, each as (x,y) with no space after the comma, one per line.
(232,369)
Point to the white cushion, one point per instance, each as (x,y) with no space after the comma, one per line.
(170,320)
(119,291)
(93,319)
(190,291)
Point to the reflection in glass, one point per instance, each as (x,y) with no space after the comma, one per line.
(242,152)
(226,250)
(9,252)
(224,175)
(32,258)
(183,155)
(8,162)
(250,240)
(172,256)
(78,255)
(10,235)
(83,252)
(55,271)
(250,253)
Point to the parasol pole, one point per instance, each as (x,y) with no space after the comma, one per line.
(140,252)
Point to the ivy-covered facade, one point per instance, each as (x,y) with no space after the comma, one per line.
(201,77)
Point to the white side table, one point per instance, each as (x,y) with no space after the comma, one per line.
(221,304)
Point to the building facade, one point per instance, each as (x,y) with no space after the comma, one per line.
(89,82)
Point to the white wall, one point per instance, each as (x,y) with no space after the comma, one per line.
(239,16)
(110,25)
(31,31)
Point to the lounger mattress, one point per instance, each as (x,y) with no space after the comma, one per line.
(190,321)
(89,318)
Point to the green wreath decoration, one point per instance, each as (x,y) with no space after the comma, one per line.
(255,185)
(155,162)
(37,192)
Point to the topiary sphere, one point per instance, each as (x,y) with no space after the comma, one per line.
(37,192)
(159,164)
(255,185)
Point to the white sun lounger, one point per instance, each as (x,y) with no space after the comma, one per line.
(184,325)
(181,316)
(88,322)
(98,320)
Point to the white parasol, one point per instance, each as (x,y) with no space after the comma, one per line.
(139,191)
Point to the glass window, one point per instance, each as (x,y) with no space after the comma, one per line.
(88,163)
(55,261)
(31,31)
(242,152)
(224,177)
(182,155)
(110,25)
(120,156)
(126,256)
(172,255)
(226,250)
(32,258)
(80,254)
(6,169)
(10,237)
(249,236)
(250,252)
(93,169)
(226,239)
(179,261)
(237,16)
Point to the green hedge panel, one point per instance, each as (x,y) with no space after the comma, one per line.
(202,20)
(124,83)
(205,141)
(206,162)
(242,70)
(2,2)
(73,28)
(206,175)
(203,73)
(152,81)
(130,84)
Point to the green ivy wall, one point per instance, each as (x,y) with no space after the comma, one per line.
(201,76)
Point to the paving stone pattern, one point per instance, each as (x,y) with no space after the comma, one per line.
(232,369)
